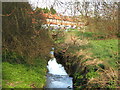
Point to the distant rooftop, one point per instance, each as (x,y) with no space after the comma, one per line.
(57,17)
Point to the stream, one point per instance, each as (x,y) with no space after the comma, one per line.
(57,76)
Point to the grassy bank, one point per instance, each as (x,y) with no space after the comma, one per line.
(100,65)
(23,75)
(91,61)
(105,50)
(25,46)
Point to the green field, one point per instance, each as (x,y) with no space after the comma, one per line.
(105,50)
(23,75)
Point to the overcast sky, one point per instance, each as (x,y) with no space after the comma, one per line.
(59,9)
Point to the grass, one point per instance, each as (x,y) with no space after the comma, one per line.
(99,54)
(23,75)
(59,40)
(94,63)
(105,50)
(102,48)
(92,35)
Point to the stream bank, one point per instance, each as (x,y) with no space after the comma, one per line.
(84,61)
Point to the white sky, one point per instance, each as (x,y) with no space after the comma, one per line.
(59,9)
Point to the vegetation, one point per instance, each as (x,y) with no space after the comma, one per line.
(26,47)
(93,64)
(24,75)
(46,10)
(52,10)
(89,55)
(102,26)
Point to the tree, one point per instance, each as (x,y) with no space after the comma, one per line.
(52,10)
(21,35)
(46,10)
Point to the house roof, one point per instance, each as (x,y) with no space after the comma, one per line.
(58,17)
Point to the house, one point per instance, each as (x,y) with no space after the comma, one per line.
(60,20)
